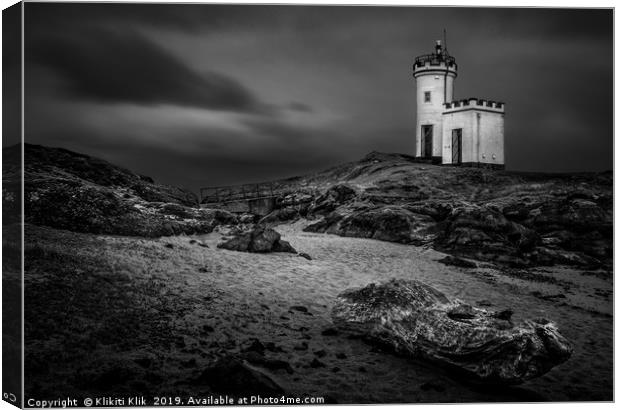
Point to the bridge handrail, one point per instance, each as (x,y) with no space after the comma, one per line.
(227,193)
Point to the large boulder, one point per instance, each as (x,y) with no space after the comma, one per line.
(417,320)
(257,239)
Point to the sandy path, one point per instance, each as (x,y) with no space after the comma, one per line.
(242,295)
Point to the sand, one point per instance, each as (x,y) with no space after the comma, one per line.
(243,296)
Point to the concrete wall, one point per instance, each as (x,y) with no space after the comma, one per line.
(483,134)
(430,113)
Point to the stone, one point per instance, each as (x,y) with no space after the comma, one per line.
(254,346)
(416,320)
(283,246)
(233,377)
(144,361)
(332,198)
(330,331)
(257,359)
(257,239)
(456,261)
(432,386)
(315,363)
(304,255)
(247,218)
(484,233)
(387,223)
(280,215)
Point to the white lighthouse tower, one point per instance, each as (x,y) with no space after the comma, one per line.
(434,74)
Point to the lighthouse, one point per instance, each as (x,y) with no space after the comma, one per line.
(434,76)
(448,131)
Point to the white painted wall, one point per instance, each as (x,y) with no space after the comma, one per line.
(431,78)
(483,134)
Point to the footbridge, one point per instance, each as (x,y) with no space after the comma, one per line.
(258,199)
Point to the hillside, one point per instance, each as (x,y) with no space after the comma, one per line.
(512,218)
(76,192)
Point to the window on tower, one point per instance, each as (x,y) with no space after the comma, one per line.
(427,96)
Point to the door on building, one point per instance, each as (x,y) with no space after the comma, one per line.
(427,141)
(457,146)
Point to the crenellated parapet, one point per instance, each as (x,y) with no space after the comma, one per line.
(434,63)
(475,103)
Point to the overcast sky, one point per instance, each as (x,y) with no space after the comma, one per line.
(198,95)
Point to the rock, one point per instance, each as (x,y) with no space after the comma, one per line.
(169,245)
(332,198)
(484,233)
(280,215)
(417,320)
(330,331)
(271,364)
(259,239)
(272,347)
(189,363)
(456,261)
(254,346)
(315,363)
(144,361)
(304,255)
(298,308)
(432,386)
(438,210)
(230,376)
(388,223)
(247,218)
(283,246)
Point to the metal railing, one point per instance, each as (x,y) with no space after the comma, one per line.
(230,193)
(434,59)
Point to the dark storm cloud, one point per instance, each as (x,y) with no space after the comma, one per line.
(300,107)
(124,66)
(238,93)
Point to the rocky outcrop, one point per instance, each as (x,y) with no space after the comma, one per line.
(334,197)
(484,233)
(389,223)
(417,320)
(573,230)
(76,192)
(89,208)
(257,239)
